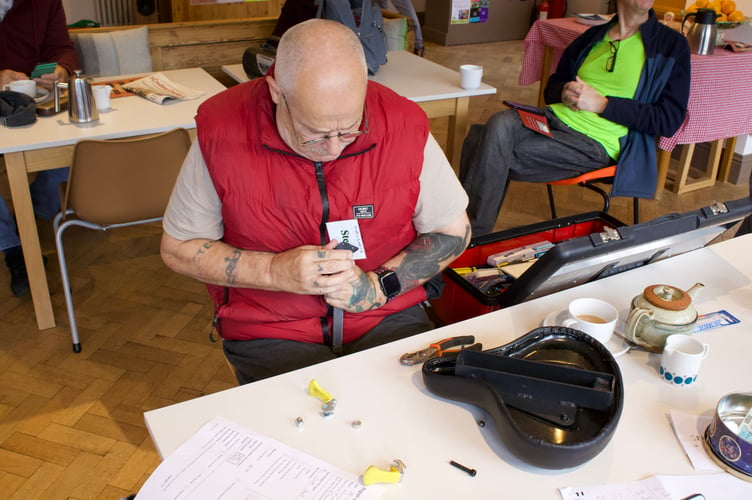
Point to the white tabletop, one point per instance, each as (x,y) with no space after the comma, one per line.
(402,420)
(410,76)
(129,116)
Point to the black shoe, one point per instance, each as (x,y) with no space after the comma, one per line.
(419,51)
(19,281)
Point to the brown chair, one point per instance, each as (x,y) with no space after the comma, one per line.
(589,180)
(117,183)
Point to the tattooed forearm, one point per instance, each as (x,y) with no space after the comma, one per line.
(364,296)
(232,261)
(427,254)
(201,251)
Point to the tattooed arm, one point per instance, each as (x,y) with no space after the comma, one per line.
(420,261)
(310,269)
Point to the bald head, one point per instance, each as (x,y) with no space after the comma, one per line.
(320,58)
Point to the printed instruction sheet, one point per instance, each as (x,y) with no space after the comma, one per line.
(225,460)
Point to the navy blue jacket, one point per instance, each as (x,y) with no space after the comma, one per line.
(657,109)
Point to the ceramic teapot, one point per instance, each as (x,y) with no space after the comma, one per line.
(660,311)
(81,107)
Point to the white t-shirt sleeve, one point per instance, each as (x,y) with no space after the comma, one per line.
(442,198)
(194,210)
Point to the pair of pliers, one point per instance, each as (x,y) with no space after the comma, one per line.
(441,348)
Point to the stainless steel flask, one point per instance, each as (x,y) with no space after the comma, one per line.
(701,35)
(81,107)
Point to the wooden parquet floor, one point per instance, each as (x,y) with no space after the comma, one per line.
(71,425)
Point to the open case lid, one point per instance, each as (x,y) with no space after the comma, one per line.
(588,258)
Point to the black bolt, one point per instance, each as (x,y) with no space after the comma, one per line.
(481,423)
(470,471)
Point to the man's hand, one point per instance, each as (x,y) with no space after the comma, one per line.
(48,80)
(312,270)
(361,293)
(8,75)
(580,96)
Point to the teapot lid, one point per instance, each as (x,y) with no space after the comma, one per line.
(667,297)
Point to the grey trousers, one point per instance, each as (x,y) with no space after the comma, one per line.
(257,359)
(505,149)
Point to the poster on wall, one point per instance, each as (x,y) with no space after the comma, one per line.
(469,11)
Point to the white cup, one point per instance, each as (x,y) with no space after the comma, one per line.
(28,87)
(595,317)
(681,360)
(470,76)
(102,96)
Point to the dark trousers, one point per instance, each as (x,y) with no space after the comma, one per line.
(257,359)
(505,149)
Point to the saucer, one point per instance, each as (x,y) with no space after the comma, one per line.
(42,95)
(616,344)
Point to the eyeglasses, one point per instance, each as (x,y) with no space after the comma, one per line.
(611,61)
(346,137)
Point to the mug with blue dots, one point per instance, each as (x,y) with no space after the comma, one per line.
(682,357)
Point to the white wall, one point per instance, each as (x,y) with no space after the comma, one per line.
(75,10)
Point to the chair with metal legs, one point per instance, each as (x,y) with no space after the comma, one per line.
(589,180)
(117,183)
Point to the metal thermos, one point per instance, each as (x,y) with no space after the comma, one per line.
(81,107)
(701,35)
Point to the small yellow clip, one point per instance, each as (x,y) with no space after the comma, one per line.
(315,390)
(374,475)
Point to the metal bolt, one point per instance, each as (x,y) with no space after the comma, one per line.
(299,423)
(470,471)
(481,423)
(356,424)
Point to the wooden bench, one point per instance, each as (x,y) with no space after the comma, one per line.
(211,44)
(205,44)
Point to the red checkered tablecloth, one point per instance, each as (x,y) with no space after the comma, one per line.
(720,98)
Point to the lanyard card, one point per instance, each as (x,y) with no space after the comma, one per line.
(347,231)
(535,122)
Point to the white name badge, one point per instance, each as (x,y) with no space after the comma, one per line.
(347,231)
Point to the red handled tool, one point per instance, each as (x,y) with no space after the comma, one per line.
(441,348)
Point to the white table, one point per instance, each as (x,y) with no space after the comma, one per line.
(401,419)
(49,144)
(434,87)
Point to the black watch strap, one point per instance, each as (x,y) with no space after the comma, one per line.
(389,282)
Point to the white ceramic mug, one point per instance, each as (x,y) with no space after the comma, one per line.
(595,317)
(681,360)
(102,96)
(470,76)
(28,87)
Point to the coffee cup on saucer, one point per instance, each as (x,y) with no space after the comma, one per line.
(595,317)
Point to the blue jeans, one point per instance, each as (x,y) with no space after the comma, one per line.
(45,199)
(504,149)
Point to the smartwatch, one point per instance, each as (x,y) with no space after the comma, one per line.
(389,282)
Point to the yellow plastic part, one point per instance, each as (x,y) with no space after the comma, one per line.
(315,390)
(374,475)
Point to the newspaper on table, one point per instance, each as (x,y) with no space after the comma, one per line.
(160,89)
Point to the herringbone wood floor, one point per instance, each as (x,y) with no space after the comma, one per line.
(71,425)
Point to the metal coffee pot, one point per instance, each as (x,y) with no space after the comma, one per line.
(81,107)
(660,311)
(702,33)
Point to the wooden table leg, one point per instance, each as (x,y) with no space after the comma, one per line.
(545,70)
(664,157)
(27,229)
(457,131)
(726,158)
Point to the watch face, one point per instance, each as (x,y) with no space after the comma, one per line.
(390,284)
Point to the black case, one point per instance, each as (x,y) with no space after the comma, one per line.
(588,247)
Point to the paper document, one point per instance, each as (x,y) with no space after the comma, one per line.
(690,431)
(224,460)
(160,89)
(718,486)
